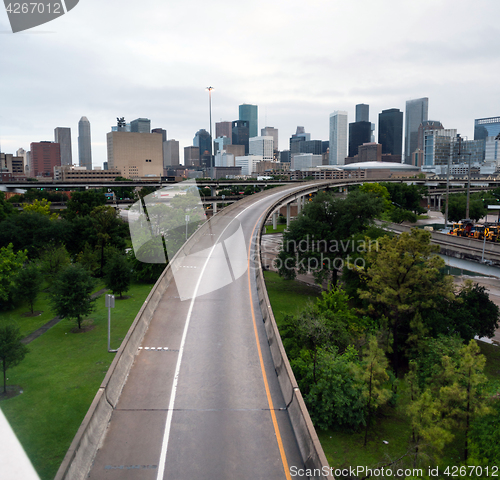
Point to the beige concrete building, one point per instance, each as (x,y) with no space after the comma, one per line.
(135,154)
(76,173)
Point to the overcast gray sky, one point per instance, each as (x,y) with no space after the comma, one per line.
(298,61)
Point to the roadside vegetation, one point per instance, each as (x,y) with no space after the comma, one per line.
(386,358)
(55,266)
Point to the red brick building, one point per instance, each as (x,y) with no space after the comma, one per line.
(44,157)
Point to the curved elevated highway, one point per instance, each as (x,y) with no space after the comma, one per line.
(193,392)
(201,387)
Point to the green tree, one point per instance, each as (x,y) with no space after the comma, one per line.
(328,323)
(117,274)
(403,278)
(372,374)
(12,351)
(457,208)
(32,232)
(82,203)
(40,206)
(321,237)
(103,219)
(145,272)
(6,208)
(429,432)
(473,313)
(378,190)
(71,293)
(10,266)
(335,400)
(409,197)
(123,192)
(463,396)
(28,284)
(53,259)
(484,436)
(88,258)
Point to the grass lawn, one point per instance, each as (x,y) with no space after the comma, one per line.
(279,229)
(60,377)
(43,313)
(288,296)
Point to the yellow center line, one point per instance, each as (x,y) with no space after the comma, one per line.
(266,384)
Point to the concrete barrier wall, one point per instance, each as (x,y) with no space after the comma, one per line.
(310,448)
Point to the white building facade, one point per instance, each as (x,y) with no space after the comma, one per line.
(338,138)
(248,163)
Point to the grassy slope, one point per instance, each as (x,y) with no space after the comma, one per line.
(60,377)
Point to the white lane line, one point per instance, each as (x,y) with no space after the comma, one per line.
(168,424)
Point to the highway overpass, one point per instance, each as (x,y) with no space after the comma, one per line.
(201,387)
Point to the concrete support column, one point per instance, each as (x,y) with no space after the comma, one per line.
(214,207)
(275,220)
(287,214)
(213,191)
(439,202)
(299,205)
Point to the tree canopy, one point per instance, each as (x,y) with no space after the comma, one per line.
(321,237)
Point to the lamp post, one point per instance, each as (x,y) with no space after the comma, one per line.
(210,113)
(468,175)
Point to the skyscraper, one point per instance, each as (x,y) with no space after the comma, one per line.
(338,138)
(171,153)
(62,136)
(417,111)
(44,157)
(486,127)
(140,125)
(202,140)
(262,146)
(250,114)
(84,148)
(135,154)
(362,112)
(223,129)
(390,131)
(240,133)
(271,132)
(361,130)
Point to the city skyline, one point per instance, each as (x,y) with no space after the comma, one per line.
(446,53)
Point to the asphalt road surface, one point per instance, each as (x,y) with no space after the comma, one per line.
(202,400)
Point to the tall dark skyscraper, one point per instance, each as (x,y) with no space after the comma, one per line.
(202,141)
(240,132)
(62,136)
(390,131)
(84,144)
(359,133)
(250,114)
(417,112)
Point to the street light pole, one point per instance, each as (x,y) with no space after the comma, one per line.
(210,113)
